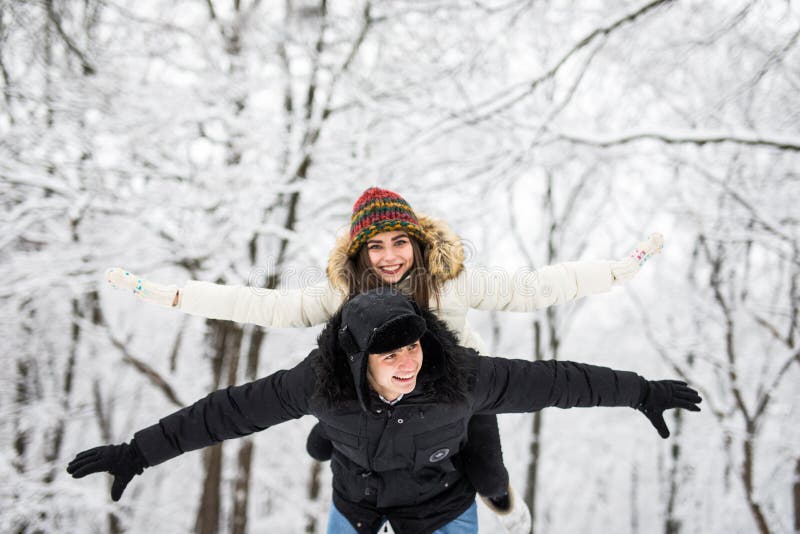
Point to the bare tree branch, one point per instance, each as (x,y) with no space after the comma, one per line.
(103,417)
(774,58)
(151,374)
(212,13)
(680,138)
(769,327)
(6,81)
(88,69)
(730,347)
(765,399)
(509,97)
(523,248)
(319,48)
(671,362)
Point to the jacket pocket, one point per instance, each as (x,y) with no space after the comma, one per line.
(437,446)
(347,480)
(434,456)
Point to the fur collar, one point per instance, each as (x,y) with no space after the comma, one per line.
(445,258)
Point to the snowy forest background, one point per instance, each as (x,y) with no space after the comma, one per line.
(226,140)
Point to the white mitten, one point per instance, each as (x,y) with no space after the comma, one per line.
(625,269)
(150,291)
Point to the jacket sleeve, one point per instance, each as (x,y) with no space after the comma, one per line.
(265,307)
(229,413)
(527,289)
(512,386)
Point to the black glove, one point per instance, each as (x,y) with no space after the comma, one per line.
(660,395)
(123,461)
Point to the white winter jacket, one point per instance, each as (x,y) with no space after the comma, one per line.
(462,288)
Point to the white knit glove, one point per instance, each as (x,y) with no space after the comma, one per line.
(150,291)
(625,269)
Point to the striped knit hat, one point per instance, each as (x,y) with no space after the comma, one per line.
(380,210)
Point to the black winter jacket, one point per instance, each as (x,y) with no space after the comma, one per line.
(402,461)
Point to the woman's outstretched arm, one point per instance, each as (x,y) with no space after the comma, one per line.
(302,307)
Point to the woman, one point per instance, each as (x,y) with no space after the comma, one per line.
(388,245)
(394,391)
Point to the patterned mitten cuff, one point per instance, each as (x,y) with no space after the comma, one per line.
(625,269)
(164,295)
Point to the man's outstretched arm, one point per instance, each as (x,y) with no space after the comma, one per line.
(503,385)
(228,413)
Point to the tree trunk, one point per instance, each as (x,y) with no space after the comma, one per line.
(114,526)
(747,480)
(553,341)
(241,494)
(56,436)
(533,467)
(313,494)
(207,521)
(24,396)
(796,491)
(22,399)
(225,340)
(633,504)
(672,525)
(536,437)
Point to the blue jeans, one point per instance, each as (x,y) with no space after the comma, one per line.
(466,523)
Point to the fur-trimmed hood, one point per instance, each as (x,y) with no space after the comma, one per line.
(445,257)
(442,379)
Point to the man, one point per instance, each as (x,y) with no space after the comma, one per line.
(394,393)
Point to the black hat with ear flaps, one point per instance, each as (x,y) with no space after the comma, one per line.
(375,322)
(378,321)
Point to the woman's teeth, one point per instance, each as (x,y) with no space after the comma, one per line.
(404,379)
(390,270)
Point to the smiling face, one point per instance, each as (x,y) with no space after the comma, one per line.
(391,255)
(394,373)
